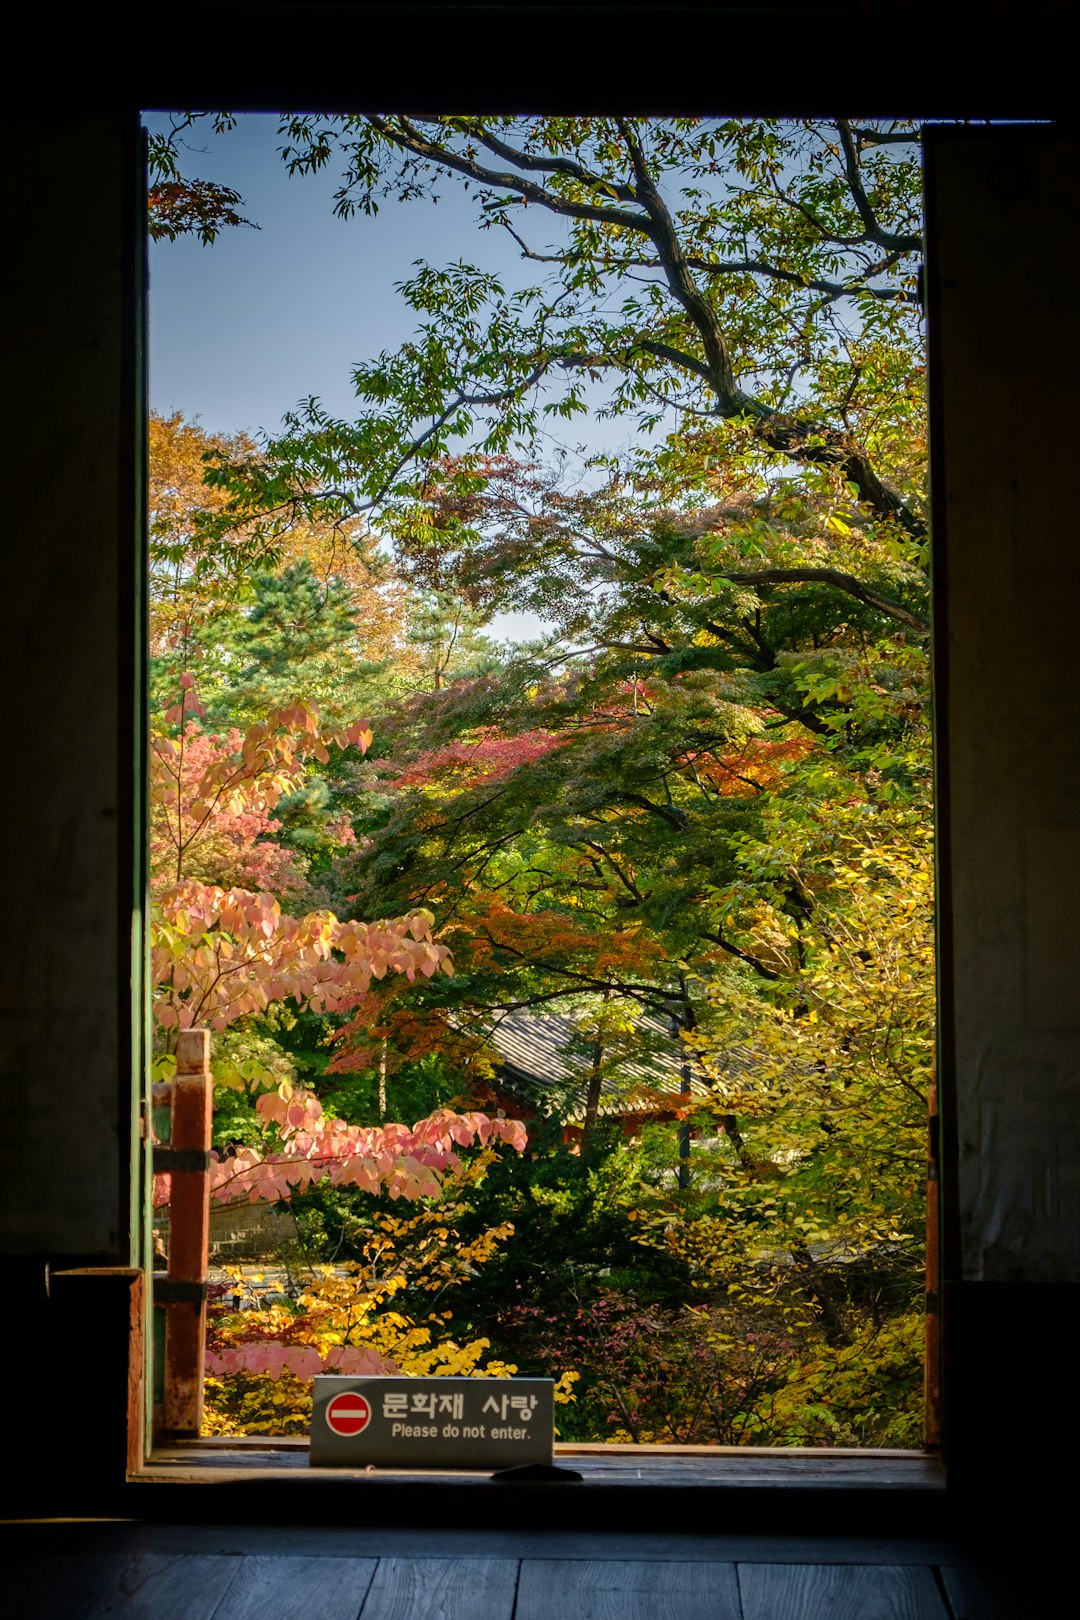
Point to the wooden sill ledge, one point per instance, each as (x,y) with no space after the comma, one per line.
(286,1458)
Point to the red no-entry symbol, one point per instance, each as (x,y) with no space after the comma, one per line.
(348,1414)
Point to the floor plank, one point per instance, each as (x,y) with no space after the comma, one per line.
(162,1586)
(442,1589)
(211,1461)
(290,1588)
(59,1586)
(604,1589)
(839,1592)
(136,1586)
(1031,1593)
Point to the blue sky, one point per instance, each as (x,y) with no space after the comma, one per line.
(242,330)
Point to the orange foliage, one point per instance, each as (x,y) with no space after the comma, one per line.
(410,1033)
(487,756)
(756,768)
(554,936)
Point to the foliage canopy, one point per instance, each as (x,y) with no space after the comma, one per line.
(703,791)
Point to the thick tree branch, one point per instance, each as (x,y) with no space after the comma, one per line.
(677,819)
(874,232)
(801,440)
(812,443)
(546,165)
(802,717)
(410,139)
(743,956)
(616,264)
(661,229)
(896,137)
(840,581)
(677,357)
(832,289)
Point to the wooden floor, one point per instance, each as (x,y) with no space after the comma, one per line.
(132,1571)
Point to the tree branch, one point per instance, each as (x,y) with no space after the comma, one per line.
(800,440)
(832,289)
(678,819)
(661,229)
(840,581)
(736,267)
(873,137)
(410,139)
(874,232)
(678,357)
(550,165)
(743,956)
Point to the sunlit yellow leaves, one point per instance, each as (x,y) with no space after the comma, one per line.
(261,1361)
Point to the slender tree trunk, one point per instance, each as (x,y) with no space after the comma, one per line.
(829,1314)
(683,1020)
(592,1096)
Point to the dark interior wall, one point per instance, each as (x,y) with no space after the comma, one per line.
(1003,234)
(71,1027)
(1005,338)
(69,650)
(1005,212)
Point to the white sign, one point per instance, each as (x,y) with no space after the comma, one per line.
(432,1422)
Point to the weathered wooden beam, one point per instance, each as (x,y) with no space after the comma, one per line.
(96,1321)
(932,1382)
(189,1234)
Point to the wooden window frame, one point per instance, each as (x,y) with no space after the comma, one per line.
(596,56)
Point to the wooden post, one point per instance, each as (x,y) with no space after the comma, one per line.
(932,1388)
(189,1234)
(100,1310)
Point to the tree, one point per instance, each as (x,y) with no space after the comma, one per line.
(188,207)
(188,576)
(264,614)
(379,1315)
(763,278)
(221,955)
(713,798)
(679,801)
(602,794)
(446,640)
(298,635)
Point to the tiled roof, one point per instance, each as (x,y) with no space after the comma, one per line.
(547,1057)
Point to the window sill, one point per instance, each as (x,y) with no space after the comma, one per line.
(215,1461)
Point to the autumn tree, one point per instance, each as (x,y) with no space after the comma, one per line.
(706,787)
(585,809)
(181,205)
(249,604)
(763,279)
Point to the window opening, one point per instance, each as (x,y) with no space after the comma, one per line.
(541,754)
